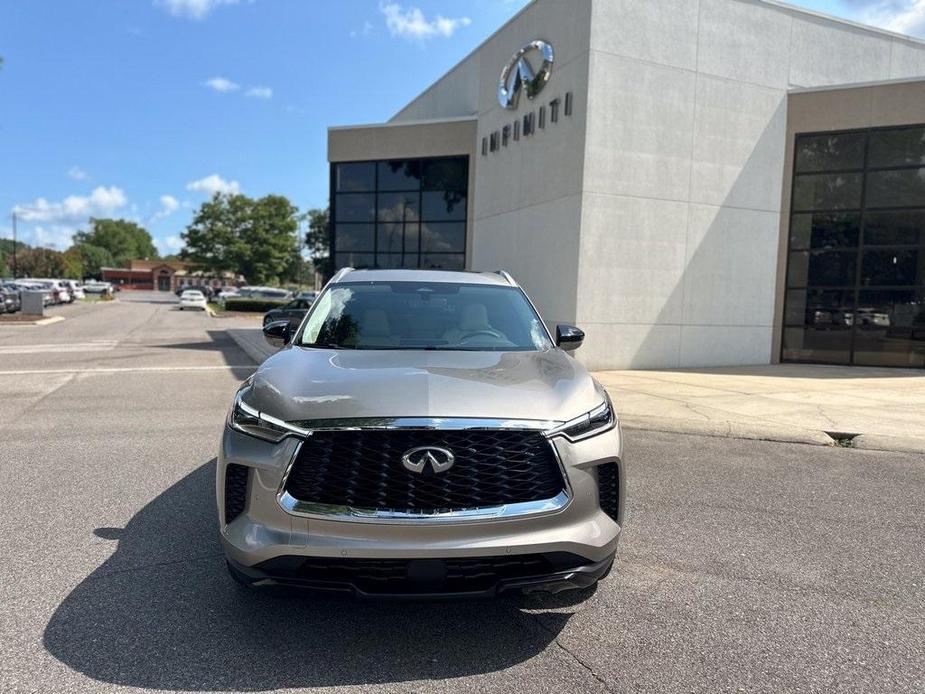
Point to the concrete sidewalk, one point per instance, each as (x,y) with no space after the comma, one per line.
(857,406)
(882,409)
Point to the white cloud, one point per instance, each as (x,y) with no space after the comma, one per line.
(169,205)
(411,23)
(903,16)
(169,244)
(77,173)
(102,202)
(365,31)
(192,9)
(56,236)
(260,93)
(222,84)
(214,184)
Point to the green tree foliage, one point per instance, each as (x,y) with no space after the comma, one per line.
(255,238)
(6,256)
(44,262)
(318,240)
(92,258)
(123,239)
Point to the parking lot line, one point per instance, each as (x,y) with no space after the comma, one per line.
(96,346)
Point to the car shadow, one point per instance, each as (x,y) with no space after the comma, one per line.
(162,613)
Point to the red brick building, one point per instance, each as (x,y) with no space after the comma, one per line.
(166,276)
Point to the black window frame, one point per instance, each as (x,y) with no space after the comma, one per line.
(416,255)
(854,290)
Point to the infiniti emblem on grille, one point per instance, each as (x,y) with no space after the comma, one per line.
(417,459)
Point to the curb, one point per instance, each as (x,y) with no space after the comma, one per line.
(728,429)
(882,442)
(41,321)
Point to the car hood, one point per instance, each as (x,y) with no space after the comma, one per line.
(301,383)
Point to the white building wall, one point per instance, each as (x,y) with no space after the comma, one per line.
(681,195)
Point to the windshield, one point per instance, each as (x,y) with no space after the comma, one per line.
(419,315)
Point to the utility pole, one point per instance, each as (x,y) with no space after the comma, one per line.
(14,245)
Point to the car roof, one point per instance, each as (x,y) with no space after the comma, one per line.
(455,276)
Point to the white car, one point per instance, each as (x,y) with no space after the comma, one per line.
(193,298)
(76,289)
(96,287)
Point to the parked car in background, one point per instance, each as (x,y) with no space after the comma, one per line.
(60,292)
(308,296)
(293,312)
(272,293)
(227,293)
(11,298)
(34,286)
(193,298)
(204,289)
(97,287)
(76,289)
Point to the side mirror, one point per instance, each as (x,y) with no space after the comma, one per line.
(278,333)
(568,337)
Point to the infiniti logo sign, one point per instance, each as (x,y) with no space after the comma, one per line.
(520,73)
(417,459)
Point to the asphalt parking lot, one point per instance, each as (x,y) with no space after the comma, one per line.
(744,566)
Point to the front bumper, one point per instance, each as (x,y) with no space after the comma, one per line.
(265,531)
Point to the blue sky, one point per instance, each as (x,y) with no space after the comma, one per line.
(141,108)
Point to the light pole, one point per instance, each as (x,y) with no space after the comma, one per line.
(14,244)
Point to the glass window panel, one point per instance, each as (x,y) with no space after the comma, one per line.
(900,147)
(822,268)
(900,188)
(894,228)
(389,261)
(400,174)
(893,267)
(354,177)
(355,207)
(830,152)
(824,230)
(891,328)
(411,260)
(399,207)
(820,308)
(444,205)
(446,174)
(390,236)
(825,345)
(443,261)
(827,192)
(412,238)
(357,260)
(353,237)
(443,237)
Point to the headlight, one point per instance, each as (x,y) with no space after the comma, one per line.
(597,421)
(250,421)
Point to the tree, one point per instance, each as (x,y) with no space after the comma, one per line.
(44,262)
(254,238)
(318,241)
(123,239)
(93,258)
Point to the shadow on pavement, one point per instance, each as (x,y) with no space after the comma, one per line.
(162,613)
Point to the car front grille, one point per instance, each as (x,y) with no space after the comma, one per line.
(235,491)
(608,481)
(416,576)
(363,470)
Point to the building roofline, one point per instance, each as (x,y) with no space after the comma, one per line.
(773,3)
(839,20)
(857,85)
(403,123)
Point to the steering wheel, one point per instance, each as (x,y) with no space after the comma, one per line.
(483,331)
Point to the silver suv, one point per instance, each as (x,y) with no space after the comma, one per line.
(421,433)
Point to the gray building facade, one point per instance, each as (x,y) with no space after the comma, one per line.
(693,182)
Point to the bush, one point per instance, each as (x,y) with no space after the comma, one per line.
(252,305)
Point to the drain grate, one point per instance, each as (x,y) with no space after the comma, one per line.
(844,439)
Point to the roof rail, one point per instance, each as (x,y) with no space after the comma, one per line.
(506,275)
(339,275)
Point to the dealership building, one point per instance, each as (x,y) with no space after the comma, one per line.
(692,182)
